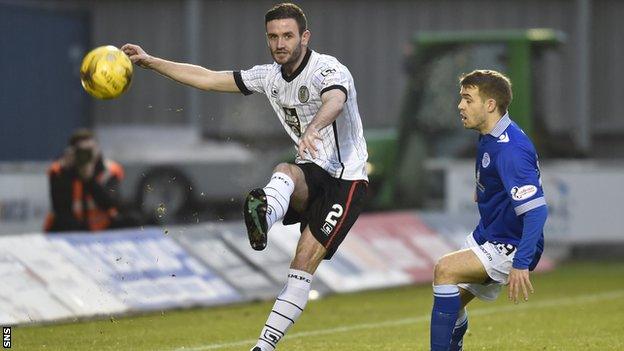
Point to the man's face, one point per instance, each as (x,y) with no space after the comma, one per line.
(85,151)
(472,108)
(285,42)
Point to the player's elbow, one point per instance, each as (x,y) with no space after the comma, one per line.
(337,105)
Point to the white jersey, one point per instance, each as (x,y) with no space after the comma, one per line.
(297,98)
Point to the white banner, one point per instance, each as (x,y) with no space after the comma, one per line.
(273,259)
(145,269)
(205,243)
(355,266)
(40,284)
(583,199)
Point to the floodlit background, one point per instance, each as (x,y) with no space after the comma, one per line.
(196,154)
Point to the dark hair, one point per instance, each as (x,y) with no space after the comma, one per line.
(80,135)
(491,84)
(287,10)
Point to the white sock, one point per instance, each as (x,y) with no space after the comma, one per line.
(286,310)
(278,192)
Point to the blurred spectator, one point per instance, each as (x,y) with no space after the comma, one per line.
(84,188)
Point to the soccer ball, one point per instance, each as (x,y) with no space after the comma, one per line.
(106,72)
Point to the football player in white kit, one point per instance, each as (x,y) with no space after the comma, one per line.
(324,189)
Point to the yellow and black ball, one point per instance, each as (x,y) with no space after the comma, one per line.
(106,72)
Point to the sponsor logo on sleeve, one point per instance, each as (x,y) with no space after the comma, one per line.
(524,192)
(328,71)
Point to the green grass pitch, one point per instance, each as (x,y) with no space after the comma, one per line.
(579,306)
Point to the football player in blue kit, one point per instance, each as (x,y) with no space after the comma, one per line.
(509,240)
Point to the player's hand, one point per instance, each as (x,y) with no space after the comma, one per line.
(137,55)
(307,142)
(519,280)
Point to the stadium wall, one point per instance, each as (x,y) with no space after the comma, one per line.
(371,45)
(229,35)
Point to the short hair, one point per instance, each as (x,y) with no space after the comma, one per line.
(80,135)
(287,10)
(491,84)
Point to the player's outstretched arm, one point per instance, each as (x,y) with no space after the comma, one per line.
(192,75)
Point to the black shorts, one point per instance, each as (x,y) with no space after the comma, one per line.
(333,206)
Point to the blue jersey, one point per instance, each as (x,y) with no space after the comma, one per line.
(508,185)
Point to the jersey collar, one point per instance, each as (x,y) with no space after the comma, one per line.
(501,125)
(299,69)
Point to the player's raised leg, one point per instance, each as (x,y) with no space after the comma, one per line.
(458,267)
(294,297)
(265,206)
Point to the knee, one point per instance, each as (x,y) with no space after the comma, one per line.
(285,168)
(442,272)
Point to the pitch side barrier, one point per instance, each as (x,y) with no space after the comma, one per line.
(61,276)
(381,250)
(583,198)
(84,275)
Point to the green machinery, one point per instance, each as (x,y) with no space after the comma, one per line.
(429,125)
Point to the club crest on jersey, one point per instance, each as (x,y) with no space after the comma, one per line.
(485,161)
(304,94)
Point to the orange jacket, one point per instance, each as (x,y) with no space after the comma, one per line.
(85,205)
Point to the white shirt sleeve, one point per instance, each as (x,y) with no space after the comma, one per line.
(332,76)
(253,79)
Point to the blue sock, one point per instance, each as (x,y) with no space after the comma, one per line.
(457,340)
(446,305)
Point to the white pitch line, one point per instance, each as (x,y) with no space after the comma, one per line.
(423,318)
